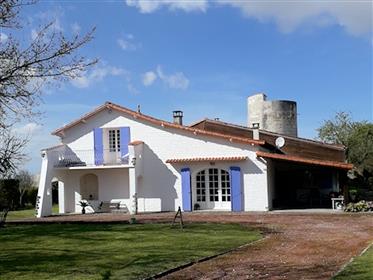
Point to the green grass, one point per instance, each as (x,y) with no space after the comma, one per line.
(124,251)
(28,213)
(360,269)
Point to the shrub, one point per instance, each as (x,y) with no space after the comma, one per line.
(106,275)
(30,196)
(361,206)
(9,195)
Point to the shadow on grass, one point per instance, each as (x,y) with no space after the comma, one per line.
(127,251)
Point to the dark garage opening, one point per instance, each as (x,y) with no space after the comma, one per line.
(298,186)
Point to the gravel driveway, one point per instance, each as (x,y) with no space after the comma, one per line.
(297,245)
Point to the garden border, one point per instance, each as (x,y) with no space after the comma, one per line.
(180,267)
(352,259)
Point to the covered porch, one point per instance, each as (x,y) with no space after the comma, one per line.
(99,188)
(299,183)
(102,186)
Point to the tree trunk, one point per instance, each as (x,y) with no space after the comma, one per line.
(21,194)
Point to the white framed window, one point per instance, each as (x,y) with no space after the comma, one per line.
(225,186)
(214,184)
(201,186)
(114,140)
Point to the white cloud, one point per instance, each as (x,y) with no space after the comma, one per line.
(75,27)
(98,74)
(177,80)
(146,6)
(56,25)
(149,78)
(28,129)
(354,16)
(3,37)
(34,34)
(132,89)
(127,43)
(54,15)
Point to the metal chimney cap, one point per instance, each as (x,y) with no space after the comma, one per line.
(177,113)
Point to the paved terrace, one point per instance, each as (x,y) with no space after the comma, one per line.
(297,244)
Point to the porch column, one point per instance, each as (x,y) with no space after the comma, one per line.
(61,197)
(132,190)
(44,197)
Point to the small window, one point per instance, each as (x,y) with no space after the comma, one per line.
(114,140)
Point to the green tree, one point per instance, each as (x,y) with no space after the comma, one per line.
(360,149)
(25,183)
(357,137)
(339,129)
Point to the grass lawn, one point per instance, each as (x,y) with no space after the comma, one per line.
(360,269)
(28,213)
(124,251)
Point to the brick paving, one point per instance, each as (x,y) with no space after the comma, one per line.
(297,245)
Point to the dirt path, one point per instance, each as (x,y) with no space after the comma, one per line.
(309,246)
(297,245)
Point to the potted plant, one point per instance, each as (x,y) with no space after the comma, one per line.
(83,204)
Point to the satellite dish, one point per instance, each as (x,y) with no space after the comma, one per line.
(280,142)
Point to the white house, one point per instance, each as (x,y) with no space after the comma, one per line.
(114,154)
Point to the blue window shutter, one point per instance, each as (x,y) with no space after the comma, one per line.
(186,189)
(236,188)
(125,138)
(98,146)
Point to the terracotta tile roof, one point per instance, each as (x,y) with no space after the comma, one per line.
(136,142)
(140,116)
(326,163)
(262,131)
(204,159)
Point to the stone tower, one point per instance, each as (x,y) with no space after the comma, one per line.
(278,116)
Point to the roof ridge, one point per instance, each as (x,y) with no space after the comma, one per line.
(336,146)
(160,122)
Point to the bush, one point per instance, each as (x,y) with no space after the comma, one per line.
(30,196)
(361,206)
(9,194)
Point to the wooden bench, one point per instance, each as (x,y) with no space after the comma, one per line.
(3,215)
(111,207)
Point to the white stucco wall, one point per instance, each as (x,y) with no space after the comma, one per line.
(159,188)
(112,186)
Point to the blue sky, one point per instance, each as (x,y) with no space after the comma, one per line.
(205,57)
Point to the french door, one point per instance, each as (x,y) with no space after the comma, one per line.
(212,189)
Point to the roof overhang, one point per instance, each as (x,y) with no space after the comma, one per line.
(206,159)
(266,132)
(326,163)
(164,124)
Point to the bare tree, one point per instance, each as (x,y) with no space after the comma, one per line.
(25,69)
(11,152)
(50,57)
(26,182)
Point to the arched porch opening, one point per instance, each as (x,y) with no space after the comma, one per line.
(57,193)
